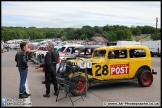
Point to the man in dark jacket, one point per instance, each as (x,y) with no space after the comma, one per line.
(22,65)
(50,69)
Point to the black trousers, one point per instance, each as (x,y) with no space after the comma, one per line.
(51,75)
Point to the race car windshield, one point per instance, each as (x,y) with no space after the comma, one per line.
(99,53)
(62,49)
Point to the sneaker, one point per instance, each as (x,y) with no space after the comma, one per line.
(46,95)
(23,96)
(56,93)
(25,93)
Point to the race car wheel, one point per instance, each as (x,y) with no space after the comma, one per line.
(145,78)
(81,86)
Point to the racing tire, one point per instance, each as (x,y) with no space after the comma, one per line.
(81,86)
(145,78)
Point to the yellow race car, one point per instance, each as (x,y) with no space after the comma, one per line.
(115,63)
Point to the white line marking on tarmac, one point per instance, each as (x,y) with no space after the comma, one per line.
(27,99)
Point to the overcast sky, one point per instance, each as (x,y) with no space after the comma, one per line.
(77,14)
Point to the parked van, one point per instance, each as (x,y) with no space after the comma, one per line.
(154,46)
(128,43)
(123,43)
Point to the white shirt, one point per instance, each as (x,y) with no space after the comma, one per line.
(62,68)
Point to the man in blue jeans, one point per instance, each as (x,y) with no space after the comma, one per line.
(22,65)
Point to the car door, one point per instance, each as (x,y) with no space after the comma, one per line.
(68,52)
(99,66)
(118,66)
(138,60)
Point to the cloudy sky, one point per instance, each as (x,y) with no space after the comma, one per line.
(77,14)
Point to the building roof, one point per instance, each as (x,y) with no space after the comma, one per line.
(99,39)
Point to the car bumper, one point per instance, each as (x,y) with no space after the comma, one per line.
(153,72)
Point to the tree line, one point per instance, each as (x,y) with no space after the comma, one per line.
(110,32)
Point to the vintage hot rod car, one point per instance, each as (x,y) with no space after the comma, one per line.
(80,52)
(116,63)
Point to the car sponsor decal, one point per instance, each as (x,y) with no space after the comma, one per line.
(116,69)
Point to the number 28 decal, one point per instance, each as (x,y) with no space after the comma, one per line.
(104,69)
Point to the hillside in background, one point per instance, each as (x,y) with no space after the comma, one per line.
(110,32)
(142,37)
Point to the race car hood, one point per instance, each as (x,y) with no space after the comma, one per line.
(93,60)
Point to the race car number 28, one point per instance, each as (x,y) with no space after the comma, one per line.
(104,70)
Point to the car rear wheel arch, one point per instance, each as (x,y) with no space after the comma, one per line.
(141,69)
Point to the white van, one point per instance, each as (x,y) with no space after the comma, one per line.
(123,43)
(154,46)
(128,43)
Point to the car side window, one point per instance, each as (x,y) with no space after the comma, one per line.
(111,55)
(117,54)
(99,53)
(137,53)
(68,50)
(89,51)
(122,53)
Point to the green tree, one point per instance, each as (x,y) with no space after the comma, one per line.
(120,35)
(63,38)
(128,35)
(108,28)
(111,36)
(146,30)
(156,36)
(88,31)
(152,30)
(97,29)
(78,31)
(111,32)
(136,31)
(105,28)
(83,36)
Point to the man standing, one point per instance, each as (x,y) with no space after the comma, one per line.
(22,65)
(50,69)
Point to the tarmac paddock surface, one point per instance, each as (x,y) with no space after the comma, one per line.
(103,94)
